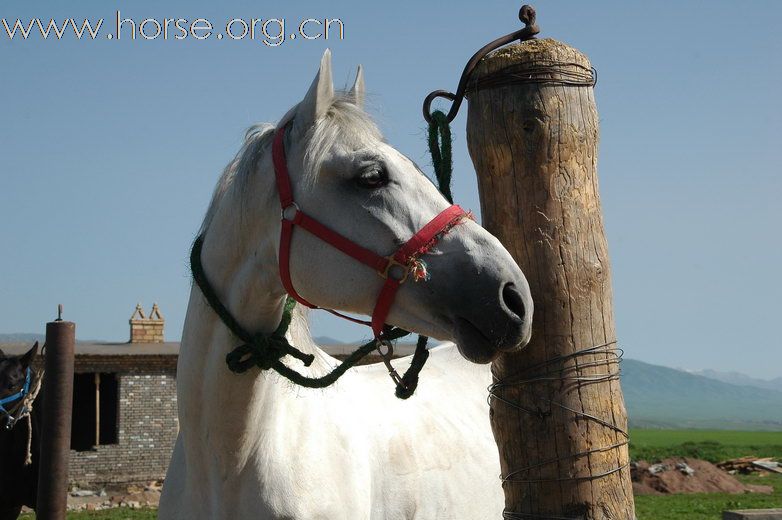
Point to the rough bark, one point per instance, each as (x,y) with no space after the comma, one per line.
(534,147)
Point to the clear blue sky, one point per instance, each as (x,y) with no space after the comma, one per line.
(110,150)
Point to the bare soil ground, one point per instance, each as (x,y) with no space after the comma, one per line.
(686,475)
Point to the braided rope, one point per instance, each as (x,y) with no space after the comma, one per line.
(440,142)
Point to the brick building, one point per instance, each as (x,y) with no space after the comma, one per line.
(124,421)
(124,405)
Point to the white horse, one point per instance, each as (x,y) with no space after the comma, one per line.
(253,445)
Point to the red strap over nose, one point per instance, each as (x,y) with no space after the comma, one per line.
(418,245)
(393,268)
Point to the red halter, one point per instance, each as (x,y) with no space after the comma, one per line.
(394,268)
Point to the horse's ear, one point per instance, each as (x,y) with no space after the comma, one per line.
(27,358)
(319,97)
(357,91)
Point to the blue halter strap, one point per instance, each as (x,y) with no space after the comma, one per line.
(21,394)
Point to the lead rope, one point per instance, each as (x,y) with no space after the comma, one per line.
(29,400)
(442,161)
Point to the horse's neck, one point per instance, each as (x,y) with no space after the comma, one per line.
(239,259)
(227,408)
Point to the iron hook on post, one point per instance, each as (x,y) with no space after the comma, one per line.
(527,16)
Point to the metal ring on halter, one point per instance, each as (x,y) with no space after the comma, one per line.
(389,348)
(286,208)
(392,262)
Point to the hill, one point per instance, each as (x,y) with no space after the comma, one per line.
(21,337)
(661,397)
(737,378)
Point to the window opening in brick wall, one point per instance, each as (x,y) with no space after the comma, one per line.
(95,410)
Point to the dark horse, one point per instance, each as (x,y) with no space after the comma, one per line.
(18,480)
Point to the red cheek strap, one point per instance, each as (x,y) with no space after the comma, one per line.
(394,268)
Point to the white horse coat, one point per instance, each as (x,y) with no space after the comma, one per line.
(254,446)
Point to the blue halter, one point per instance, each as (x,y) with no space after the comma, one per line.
(21,394)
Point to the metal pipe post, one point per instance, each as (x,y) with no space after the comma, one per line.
(56,432)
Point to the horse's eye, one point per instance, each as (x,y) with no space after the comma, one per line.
(372,179)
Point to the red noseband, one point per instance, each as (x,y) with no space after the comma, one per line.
(394,268)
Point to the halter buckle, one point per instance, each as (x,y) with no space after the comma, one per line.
(10,421)
(392,262)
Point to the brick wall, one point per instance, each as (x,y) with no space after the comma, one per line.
(146,331)
(147,417)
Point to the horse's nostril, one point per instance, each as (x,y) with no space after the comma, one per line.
(513,300)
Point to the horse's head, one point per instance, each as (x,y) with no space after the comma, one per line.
(13,371)
(347,177)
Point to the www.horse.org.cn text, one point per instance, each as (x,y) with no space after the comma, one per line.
(271,32)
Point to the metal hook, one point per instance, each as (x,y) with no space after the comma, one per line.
(527,16)
(387,356)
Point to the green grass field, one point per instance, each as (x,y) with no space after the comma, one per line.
(708,506)
(711,445)
(714,446)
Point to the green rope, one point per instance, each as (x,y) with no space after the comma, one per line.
(440,147)
(336,373)
(440,142)
(410,379)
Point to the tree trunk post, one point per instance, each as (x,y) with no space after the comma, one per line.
(557,409)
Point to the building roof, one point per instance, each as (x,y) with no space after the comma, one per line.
(170,348)
(106,349)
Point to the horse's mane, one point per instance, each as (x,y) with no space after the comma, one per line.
(257,138)
(344,122)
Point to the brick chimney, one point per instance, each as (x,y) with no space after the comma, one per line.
(146,330)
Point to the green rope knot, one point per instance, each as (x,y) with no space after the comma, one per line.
(264,352)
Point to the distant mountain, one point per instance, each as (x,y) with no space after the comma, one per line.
(21,337)
(327,340)
(661,397)
(737,378)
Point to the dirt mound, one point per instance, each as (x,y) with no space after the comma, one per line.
(685,475)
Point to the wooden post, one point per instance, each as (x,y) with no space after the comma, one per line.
(557,410)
